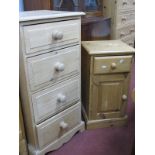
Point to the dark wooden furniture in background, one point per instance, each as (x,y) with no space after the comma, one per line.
(94,25)
(95,28)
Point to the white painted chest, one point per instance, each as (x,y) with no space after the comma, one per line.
(50,77)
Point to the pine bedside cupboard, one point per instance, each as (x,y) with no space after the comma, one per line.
(106,69)
(50,77)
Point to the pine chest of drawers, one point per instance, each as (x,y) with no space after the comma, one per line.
(50,77)
(122,13)
(106,69)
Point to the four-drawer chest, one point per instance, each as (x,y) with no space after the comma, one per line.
(50,77)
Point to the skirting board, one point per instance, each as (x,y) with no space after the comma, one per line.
(58,143)
(102,123)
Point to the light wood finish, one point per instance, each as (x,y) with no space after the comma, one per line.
(43,70)
(105,78)
(50,78)
(107,47)
(38,38)
(22,138)
(122,13)
(113,64)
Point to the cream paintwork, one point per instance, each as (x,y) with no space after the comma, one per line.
(42,69)
(43,36)
(50,130)
(46,102)
(42,64)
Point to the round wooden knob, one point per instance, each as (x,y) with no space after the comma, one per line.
(113,65)
(124,19)
(124,3)
(61,98)
(63,125)
(122,35)
(124,97)
(57,35)
(59,67)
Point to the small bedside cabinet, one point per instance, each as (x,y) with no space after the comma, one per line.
(106,69)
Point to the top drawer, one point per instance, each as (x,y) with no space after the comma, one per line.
(112,64)
(51,35)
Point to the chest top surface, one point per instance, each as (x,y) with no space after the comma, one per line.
(107,47)
(46,14)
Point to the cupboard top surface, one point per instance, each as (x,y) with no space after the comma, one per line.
(107,47)
(46,14)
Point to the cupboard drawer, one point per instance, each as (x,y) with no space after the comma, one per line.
(125,5)
(51,35)
(123,32)
(53,67)
(125,18)
(55,127)
(50,101)
(112,64)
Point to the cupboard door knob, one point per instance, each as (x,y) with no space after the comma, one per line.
(124,97)
(61,98)
(113,65)
(63,125)
(59,67)
(57,35)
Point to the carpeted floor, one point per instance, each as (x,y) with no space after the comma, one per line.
(106,141)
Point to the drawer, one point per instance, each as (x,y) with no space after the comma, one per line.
(112,64)
(129,40)
(57,126)
(51,35)
(125,18)
(54,99)
(125,31)
(53,67)
(123,5)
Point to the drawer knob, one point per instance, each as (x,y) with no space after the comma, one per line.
(59,67)
(113,65)
(124,3)
(131,30)
(57,35)
(123,19)
(131,44)
(122,34)
(63,125)
(124,97)
(61,98)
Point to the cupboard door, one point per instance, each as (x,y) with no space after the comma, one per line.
(109,96)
